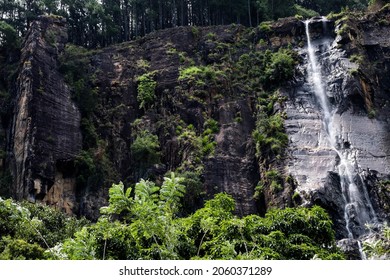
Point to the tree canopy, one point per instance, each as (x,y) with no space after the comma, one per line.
(98,23)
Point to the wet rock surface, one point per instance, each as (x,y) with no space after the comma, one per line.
(350,247)
(360,138)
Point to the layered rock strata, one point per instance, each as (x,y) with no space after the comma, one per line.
(46,133)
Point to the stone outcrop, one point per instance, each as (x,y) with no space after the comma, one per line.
(351,249)
(233,169)
(46,133)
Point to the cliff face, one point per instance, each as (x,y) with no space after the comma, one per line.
(177,115)
(45,132)
(354,70)
(203,121)
(188,100)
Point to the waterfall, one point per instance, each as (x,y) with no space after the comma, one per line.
(358,210)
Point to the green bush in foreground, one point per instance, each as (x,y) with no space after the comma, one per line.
(147,226)
(144,223)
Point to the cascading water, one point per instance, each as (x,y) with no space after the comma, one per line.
(358,210)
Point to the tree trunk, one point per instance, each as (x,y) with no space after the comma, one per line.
(249,13)
(160,14)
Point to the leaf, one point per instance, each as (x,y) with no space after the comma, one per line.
(146,191)
(119,200)
(171,192)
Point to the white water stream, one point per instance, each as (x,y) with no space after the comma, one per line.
(358,210)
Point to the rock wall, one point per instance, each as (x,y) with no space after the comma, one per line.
(46,127)
(361,136)
(232,168)
(45,133)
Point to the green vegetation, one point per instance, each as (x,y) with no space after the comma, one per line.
(280,68)
(202,83)
(265,27)
(266,70)
(50,37)
(93,166)
(358,59)
(145,148)
(372,114)
(31,231)
(200,75)
(199,146)
(143,64)
(195,192)
(143,223)
(269,135)
(272,180)
(158,220)
(303,12)
(146,90)
(344,30)
(193,160)
(74,64)
(103,22)
(378,245)
(208,143)
(8,36)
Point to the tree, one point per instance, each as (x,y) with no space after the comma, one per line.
(145,226)
(144,223)
(31,231)
(8,36)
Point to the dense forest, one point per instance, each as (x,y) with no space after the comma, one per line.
(95,23)
(155,217)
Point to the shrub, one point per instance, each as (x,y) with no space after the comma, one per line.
(201,75)
(19,249)
(74,64)
(195,31)
(281,68)
(303,12)
(28,229)
(269,135)
(358,59)
(372,114)
(378,245)
(190,73)
(208,144)
(143,223)
(265,27)
(146,90)
(143,64)
(145,149)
